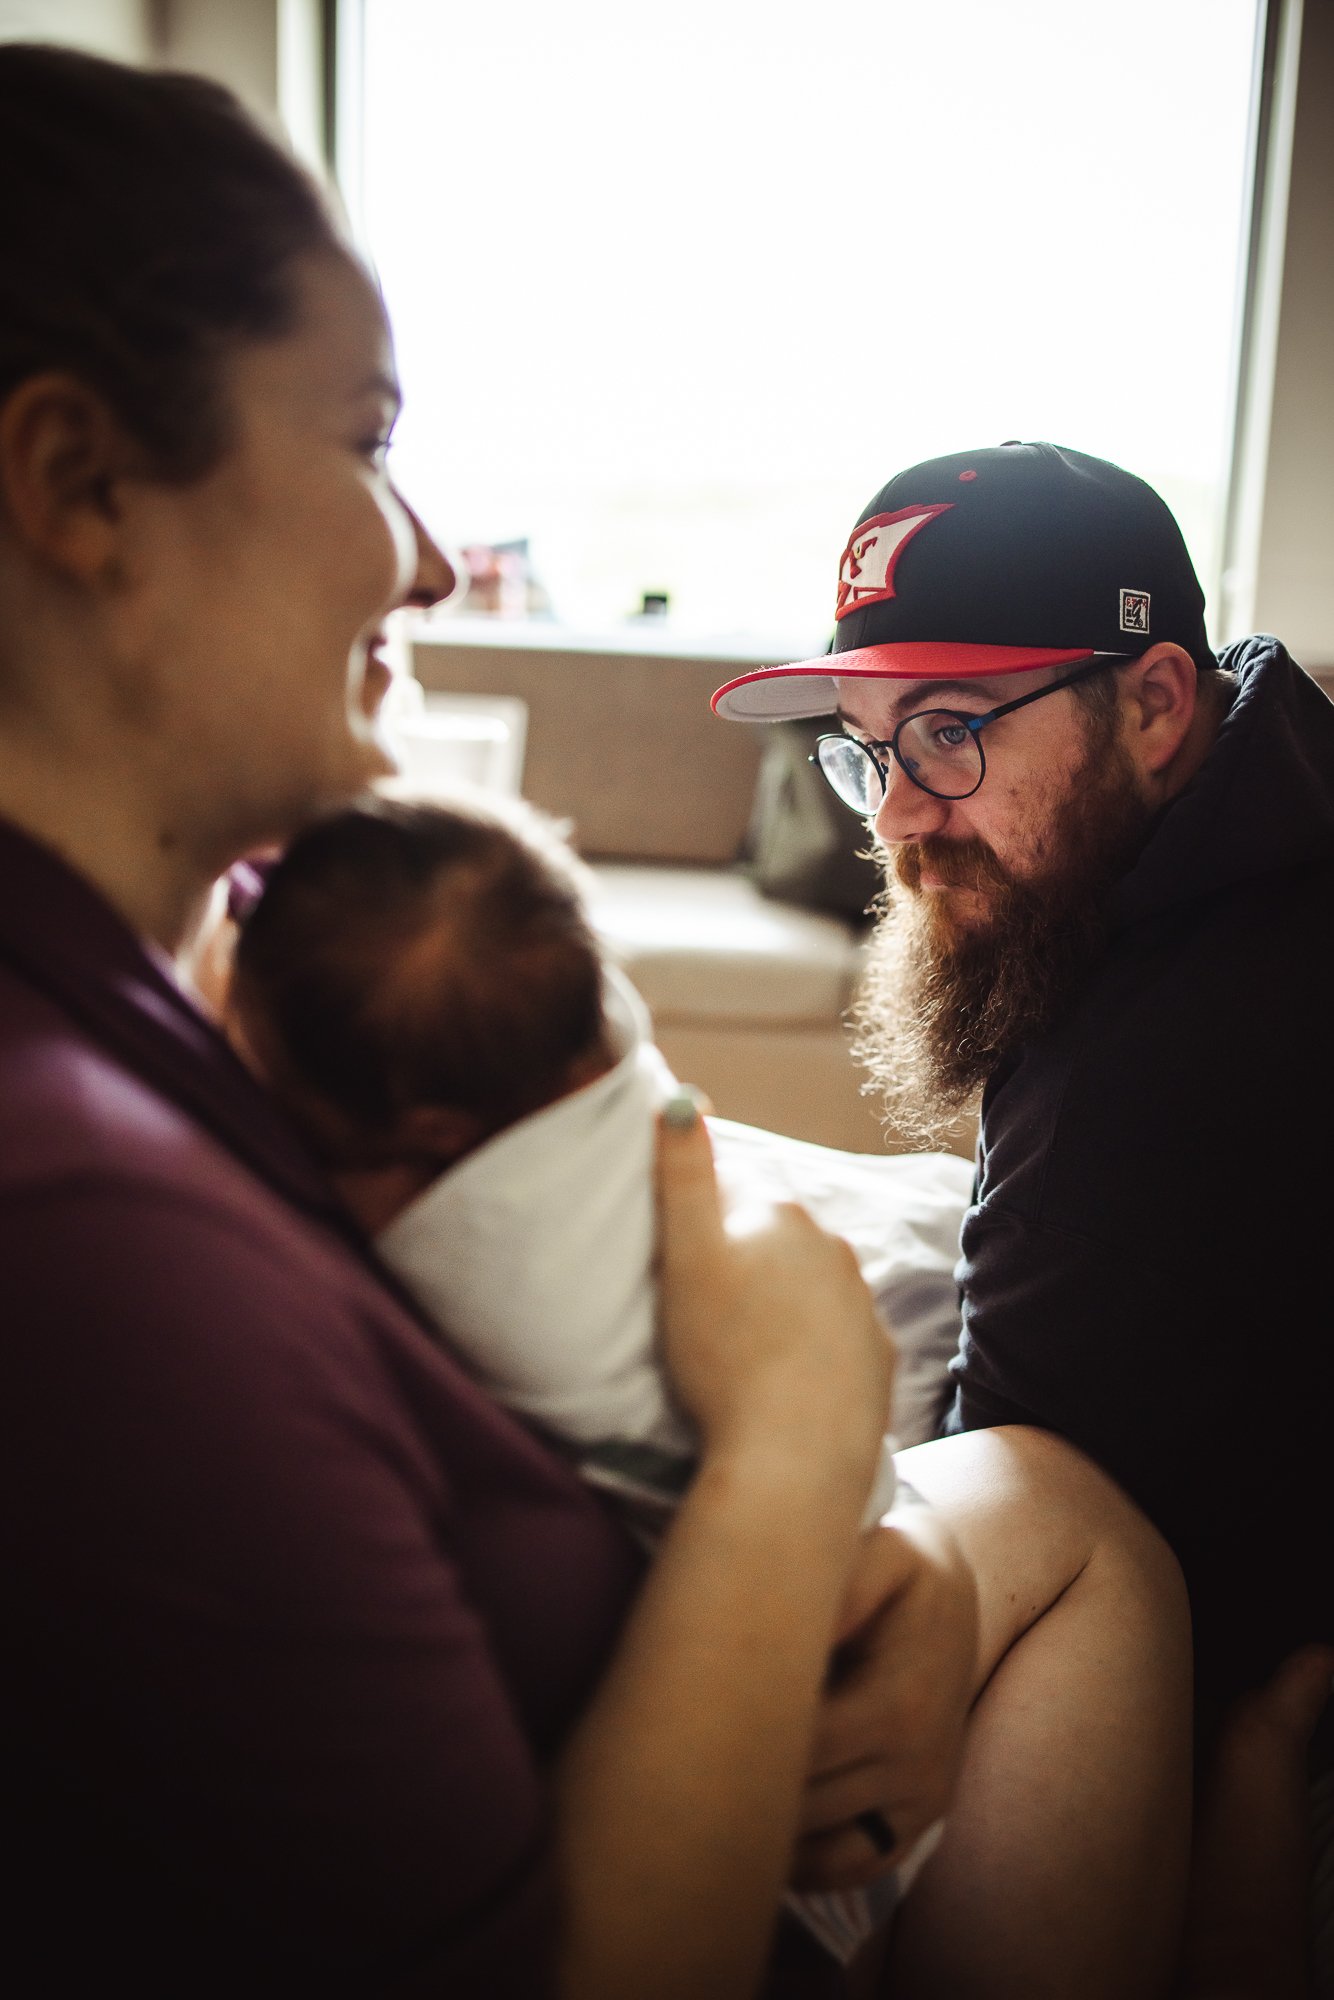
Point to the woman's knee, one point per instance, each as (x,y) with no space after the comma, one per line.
(1040,1522)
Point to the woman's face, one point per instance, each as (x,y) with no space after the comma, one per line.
(264,586)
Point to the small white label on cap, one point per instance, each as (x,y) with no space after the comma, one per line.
(1135,611)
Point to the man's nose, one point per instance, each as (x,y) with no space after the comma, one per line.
(907,812)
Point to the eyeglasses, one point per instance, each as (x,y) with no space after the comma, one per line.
(939,750)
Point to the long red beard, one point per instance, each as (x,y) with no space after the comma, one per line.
(959,976)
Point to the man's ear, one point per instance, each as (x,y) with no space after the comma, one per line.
(62,455)
(1161,687)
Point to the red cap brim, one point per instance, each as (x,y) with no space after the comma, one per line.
(807,687)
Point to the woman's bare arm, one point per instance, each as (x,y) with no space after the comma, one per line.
(680,1792)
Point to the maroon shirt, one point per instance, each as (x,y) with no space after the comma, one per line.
(297,1613)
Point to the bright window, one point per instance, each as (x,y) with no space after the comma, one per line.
(677,288)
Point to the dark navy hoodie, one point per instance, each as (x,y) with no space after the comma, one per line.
(1144,1265)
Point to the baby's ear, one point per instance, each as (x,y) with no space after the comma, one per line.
(440,1132)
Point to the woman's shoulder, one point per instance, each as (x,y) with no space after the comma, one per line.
(83,1131)
(127,1209)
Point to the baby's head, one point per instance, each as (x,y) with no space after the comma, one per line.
(415,978)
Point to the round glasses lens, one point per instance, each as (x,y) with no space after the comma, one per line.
(941,754)
(851,772)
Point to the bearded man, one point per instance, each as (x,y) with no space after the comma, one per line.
(1110,885)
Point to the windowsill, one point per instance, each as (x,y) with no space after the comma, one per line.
(636,639)
(639,639)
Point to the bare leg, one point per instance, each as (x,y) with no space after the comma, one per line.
(1063,1867)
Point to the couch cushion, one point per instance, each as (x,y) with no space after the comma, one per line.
(704,944)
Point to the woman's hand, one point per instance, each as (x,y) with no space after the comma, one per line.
(891,1731)
(769,1331)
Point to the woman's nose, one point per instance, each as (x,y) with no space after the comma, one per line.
(435,578)
(907,812)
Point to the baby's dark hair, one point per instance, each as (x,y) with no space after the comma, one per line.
(408,954)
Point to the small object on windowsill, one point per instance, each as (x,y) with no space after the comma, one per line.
(500,581)
(654,604)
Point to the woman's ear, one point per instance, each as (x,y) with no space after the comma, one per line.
(62,456)
(1161,687)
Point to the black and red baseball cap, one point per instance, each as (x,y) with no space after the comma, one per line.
(990,562)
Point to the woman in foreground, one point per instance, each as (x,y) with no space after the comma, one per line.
(327,1677)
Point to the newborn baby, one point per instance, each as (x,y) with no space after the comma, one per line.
(421,986)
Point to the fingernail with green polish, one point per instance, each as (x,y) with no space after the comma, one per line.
(682,1109)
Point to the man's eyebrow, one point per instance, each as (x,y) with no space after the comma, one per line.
(925,693)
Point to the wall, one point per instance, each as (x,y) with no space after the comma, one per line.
(236,42)
(1283,575)
(267,51)
(1294,593)
(119,28)
(270,52)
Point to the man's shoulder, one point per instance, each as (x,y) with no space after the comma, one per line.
(1190,1056)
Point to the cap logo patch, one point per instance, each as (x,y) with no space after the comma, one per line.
(1135,611)
(866,572)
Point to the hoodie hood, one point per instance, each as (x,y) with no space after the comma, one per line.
(1223,829)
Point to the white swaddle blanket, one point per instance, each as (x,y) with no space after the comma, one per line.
(535,1254)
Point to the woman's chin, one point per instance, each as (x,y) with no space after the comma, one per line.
(375,759)
(376,682)
(362,760)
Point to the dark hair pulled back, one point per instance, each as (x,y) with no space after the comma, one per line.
(147,227)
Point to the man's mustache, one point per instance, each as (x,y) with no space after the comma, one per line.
(959,864)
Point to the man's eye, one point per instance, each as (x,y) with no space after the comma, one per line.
(951,735)
(376,447)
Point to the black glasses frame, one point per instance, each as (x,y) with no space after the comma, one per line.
(974,724)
